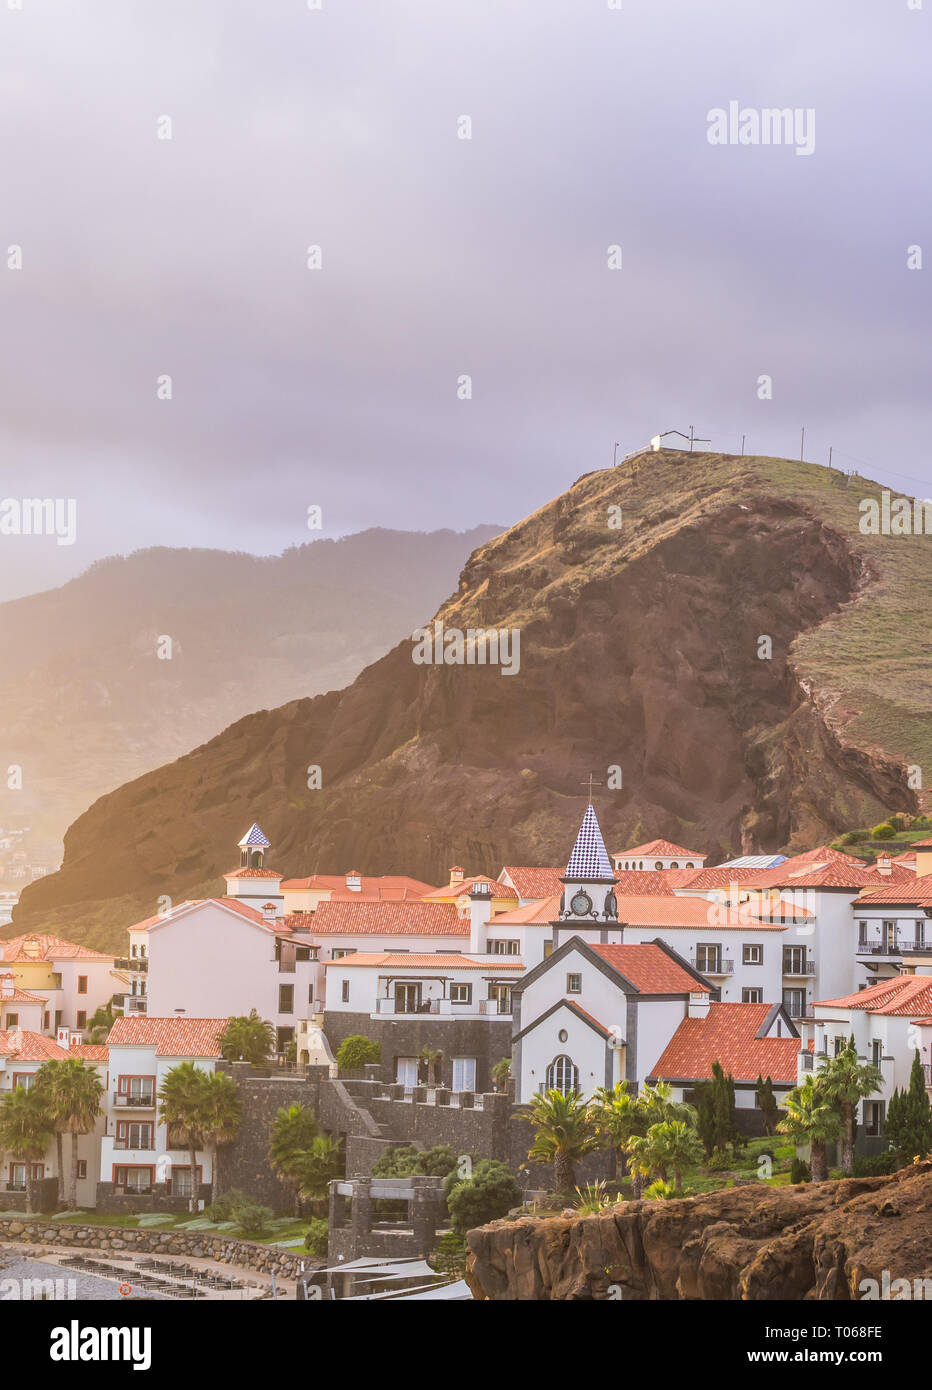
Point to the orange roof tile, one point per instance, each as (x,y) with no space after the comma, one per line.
(539,910)
(663,849)
(47,948)
(253,873)
(91,1052)
(728,1035)
(534,883)
(690,913)
(24,1046)
(903,996)
(407,960)
(17,995)
(456,890)
(171,1037)
(382,886)
(650,969)
(387,919)
(909,890)
(233,904)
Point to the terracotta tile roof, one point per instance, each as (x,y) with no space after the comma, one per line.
(728,1035)
(253,873)
(408,960)
(171,1037)
(909,890)
(22,1046)
(91,1052)
(835,874)
(920,844)
(650,969)
(383,886)
(244,909)
(907,860)
(905,996)
(716,876)
(540,910)
(387,919)
(456,890)
(47,948)
(534,883)
(690,913)
(17,995)
(662,849)
(656,882)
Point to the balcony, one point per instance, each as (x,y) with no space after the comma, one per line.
(799,968)
(444,1008)
(141,1100)
(135,1003)
(124,1146)
(712,966)
(15,1186)
(137,963)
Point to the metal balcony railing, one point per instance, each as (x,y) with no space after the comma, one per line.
(712,966)
(805,967)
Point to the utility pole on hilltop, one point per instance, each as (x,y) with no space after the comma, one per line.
(802,442)
(743,437)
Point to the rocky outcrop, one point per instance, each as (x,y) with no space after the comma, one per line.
(815,1241)
(716,647)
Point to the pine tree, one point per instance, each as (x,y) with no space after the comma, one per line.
(716,1111)
(767,1103)
(909,1117)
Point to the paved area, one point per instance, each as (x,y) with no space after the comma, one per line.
(44,1263)
(31,1279)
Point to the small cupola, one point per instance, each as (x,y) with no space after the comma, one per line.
(252,848)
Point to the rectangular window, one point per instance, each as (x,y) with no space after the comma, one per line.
(876,1051)
(286,999)
(752,996)
(17,1181)
(82,1018)
(24,1079)
(464,1073)
(181,1181)
(862,935)
(548,949)
(890,937)
(752,953)
(501,947)
(12,1020)
(461,994)
(82,1167)
(406,1071)
(407,999)
(339,952)
(794,1001)
(133,1179)
(839,1046)
(921,932)
(82,984)
(873,1118)
(133,1135)
(344,991)
(574,984)
(708,957)
(136,1090)
(500,998)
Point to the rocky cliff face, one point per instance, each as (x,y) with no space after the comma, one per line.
(715,629)
(752,1242)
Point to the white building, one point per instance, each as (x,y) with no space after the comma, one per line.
(658,854)
(137,1154)
(73,980)
(747,1040)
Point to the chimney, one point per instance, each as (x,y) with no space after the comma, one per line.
(698,1005)
(269,912)
(456,875)
(354,881)
(884,864)
(480,907)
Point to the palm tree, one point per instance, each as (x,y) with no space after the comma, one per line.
(318,1166)
(566,1132)
(25,1130)
(811,1119)
(846,1081)
(432,1057)
(45,1082)
(247,1038)
(201,1111)
(293,1133)
(618,1117)
(673,1144)
(74,1090)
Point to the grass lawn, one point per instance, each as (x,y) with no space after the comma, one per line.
(280,1229)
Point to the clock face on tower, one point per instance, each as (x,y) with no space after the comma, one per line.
(581,904)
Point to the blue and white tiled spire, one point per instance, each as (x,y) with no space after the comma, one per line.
(589,859)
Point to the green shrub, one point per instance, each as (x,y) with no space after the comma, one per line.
(225,1205)
(449,1256)
(253,1220)
(316,1239)
(898,822)
(800,1171)
(719,1161)
(488,1195)
(405,1161)
(660,1191)
(877,1166)
(852,837)
(884,831)
(356,1052)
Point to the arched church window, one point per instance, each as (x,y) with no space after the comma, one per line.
(658,864)
(673,864)
(563,1075)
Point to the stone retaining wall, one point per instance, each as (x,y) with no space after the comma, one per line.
(116,1240)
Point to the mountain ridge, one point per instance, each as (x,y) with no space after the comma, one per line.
(639,651)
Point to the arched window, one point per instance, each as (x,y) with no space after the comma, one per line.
(688,865)
(658,864)
(562,1076)
(674,865)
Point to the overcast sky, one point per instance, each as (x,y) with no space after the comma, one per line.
(442,256)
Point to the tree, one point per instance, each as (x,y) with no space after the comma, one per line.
(26,1130)
(356,1052)
(909,1118)
(45,1081)
(293,1131)
(100,1024)
(667,1146)
(72,1090)
(318,1166)
(716,1118)
(501,1073)
(811,1119)
(884,831)
(619,1116)
(405,1161)
(201,1111)
(247,1038)
(566,1132)
(845,1081)
(432,1059)
(767,1104)
(488,1195)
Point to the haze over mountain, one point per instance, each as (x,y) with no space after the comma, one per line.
(642,649)
(89,703)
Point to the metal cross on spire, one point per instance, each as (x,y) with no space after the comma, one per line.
(591,785)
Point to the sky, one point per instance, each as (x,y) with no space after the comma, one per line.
(442,257)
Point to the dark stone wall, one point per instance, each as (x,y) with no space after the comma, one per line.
(244,1164)
(44,1197)
(486,1039)
(159,1198)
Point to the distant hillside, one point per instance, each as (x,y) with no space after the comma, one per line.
(640,649)
(87,703)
